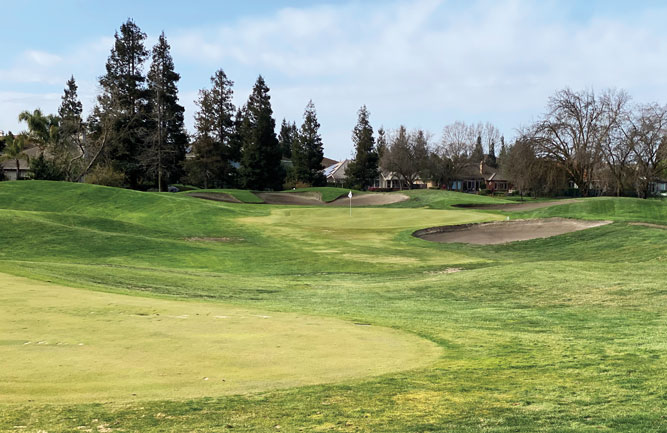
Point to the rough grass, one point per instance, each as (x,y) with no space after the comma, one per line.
(561,334)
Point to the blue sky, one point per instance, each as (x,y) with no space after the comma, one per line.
(422,63)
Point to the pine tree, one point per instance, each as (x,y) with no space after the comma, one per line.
(502,156)
(124,100)
(70,149)
(216,145)
(492,153)
(286,138)
(308,150)
(381,143)
(478,153)
(363,171)
(261,153)
(70,107)
(165,146)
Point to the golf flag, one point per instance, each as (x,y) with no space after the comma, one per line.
(349,195)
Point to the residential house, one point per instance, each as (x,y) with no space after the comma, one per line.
(475,177)
(335,173)
(658,187)
(9,166)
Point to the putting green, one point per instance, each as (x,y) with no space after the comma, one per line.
(60,344)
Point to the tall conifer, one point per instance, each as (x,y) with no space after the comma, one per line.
(363,170)
(309,151)
(124,100)
(166,143)
(261,153)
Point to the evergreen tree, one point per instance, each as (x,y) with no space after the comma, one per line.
(502,156)
(492,153)
(287,137)
(363,170)
(381,143)
(124,101)
(261,153)
(478,153)
(216,145)
(70,109)
(165,146)
(308,150)
(69,152)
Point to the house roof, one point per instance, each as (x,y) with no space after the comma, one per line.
(337,171)
(328,162)
(32,152)
(482,171)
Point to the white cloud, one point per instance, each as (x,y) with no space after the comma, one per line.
(424,63)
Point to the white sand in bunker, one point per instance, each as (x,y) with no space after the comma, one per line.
(374,199)
(501,232)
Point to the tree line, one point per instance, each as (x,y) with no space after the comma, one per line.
(135,135)
(585,144)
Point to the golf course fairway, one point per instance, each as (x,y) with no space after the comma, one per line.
(68,345)
(128,311)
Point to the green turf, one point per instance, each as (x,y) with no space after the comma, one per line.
(70,345)
(564,334)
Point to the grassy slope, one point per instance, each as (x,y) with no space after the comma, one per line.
(617,209)
(560,334)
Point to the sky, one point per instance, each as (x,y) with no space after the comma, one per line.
(418,63)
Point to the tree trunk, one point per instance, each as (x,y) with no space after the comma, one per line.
(18,170)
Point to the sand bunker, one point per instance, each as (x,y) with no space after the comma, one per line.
(215,196)
(374,199)
(291,198)
(501,232)
(307,198)
(314,199)
(516,206)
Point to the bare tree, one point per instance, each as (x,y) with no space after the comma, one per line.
(407,155)
(522,166)
(615,148)
(647,137)
(454,151)
(574,129)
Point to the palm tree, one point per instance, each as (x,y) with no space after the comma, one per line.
(42,129)
(15,150)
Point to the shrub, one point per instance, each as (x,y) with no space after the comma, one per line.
(107,176)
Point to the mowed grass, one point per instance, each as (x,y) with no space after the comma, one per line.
(564,334)
(69,345)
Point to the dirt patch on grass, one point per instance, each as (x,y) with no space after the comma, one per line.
(653,226)
(501,232)
(375,199)
(216,196)
(516,206)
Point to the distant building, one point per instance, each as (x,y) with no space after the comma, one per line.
(9,166)
(335,173)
